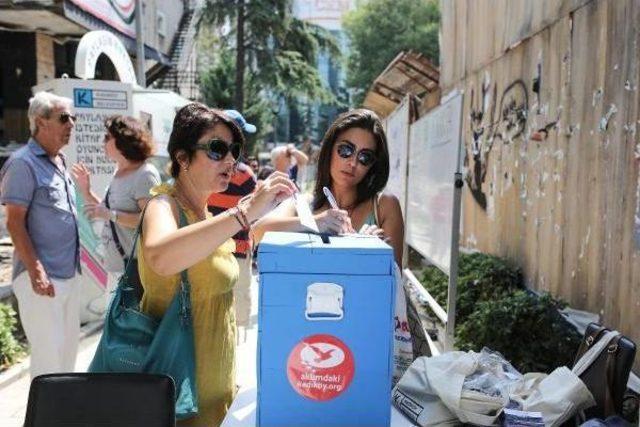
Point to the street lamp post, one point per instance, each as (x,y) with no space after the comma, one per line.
(140,72)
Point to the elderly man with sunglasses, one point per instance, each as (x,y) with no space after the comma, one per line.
(39,196)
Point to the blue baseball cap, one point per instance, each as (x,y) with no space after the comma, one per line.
(240,121)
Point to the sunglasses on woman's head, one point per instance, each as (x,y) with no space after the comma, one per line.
(365,157)
(217,149)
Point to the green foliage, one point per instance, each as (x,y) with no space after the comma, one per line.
(216,85)
(480,277)
(10,349)
(280,52)
(526,328)
(380,29)
(495,310)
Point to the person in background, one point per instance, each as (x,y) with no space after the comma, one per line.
(253,163)
(128,143)
(288,159)
(309,149)
(39,196)
(204,146)
(242,183)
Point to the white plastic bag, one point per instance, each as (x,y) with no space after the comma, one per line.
(456,387)
(431,392)
(402,346)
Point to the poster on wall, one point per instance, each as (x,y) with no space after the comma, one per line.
(93,102)
(397,130)
(435,158)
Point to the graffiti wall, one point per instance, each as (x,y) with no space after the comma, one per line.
(551,148)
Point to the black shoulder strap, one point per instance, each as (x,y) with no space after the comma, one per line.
(114,232)
(595,335)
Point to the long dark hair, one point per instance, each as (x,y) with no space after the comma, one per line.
(376,179)
(190,123)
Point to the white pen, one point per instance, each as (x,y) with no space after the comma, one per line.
(330,198)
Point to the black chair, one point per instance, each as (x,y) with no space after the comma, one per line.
(101,399)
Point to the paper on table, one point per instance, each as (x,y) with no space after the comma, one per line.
(304,213)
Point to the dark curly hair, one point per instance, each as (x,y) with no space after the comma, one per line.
(376,179)
(190,123)
(132,137)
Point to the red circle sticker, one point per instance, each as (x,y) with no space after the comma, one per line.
(320,367)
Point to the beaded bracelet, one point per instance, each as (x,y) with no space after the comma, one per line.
(243,213)
(237,214)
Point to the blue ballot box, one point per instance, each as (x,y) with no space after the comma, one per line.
(325,329)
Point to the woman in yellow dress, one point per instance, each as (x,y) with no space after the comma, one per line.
(204,148)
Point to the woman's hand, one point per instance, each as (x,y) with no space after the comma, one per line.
(82,177)
(96,211)
(269,194)
(334,221)
(373,230)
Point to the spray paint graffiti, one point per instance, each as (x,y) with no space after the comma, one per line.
(486,128)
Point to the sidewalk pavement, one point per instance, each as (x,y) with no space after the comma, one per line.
(14,387)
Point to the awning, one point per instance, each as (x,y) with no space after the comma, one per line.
(408,74)
(43,18)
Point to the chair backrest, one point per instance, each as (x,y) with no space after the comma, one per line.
(104,399)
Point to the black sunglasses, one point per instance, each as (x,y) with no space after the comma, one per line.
(217,149)
(65,117)
(365,157)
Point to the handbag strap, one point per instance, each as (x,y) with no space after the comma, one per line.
(185,287)
(595,335)
(114,233)
(589,340)
(592,354)
(612,350)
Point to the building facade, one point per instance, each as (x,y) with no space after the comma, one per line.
(38,41)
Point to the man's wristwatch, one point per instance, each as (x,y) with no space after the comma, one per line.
(113,215)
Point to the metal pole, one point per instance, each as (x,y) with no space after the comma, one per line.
(458,183)
(140,72)
(453,267)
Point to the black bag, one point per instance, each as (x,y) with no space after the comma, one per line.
(607,376)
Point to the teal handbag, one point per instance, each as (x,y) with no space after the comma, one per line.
(133,341)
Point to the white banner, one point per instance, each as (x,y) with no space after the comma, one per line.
(434,147)
(397,129)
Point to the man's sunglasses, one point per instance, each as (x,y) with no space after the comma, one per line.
(365,157)
(65,117)
(218,149)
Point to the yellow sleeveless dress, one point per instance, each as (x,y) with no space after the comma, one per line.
(214,323)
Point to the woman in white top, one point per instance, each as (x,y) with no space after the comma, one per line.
(128,143)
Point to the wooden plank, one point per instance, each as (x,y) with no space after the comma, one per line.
(629,260)
(475,32)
